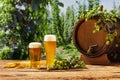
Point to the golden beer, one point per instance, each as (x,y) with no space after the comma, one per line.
(35,54)
(50,48)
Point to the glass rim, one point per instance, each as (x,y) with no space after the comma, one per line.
(34,44)
(50,37)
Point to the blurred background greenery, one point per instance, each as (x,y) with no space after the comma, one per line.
(25,21)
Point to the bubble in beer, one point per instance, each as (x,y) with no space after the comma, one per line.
(34,45)
(50,38)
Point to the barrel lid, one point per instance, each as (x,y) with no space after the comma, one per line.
(89,43)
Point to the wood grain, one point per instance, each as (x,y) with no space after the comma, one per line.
(91,72)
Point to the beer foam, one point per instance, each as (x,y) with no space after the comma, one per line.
(50,38)
(34,45)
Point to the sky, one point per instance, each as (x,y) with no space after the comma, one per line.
(108,4)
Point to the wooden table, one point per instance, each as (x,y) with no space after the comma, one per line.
(92,72)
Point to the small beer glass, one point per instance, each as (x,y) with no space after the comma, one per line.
(35,54)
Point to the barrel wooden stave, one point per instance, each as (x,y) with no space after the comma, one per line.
(83,38)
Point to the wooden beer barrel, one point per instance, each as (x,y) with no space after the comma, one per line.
(90,44)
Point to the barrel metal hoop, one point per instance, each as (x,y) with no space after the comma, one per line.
(97,53)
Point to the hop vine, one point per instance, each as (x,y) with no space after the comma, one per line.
(6,8)
(107,19)
(72,62)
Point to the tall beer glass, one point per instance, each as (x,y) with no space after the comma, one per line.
(50,48)
(35,54)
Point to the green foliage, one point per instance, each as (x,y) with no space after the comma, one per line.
(25,21)
(55,23)
(93,3)
(5,12)
(30,21)
(107,20)
(68,51)
(69,63)
(82,8)
(70,20)
(62,25)
(22,22)
(118,13)
(4,53)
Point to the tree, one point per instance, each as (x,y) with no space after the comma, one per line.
(69,24)
(22,22)
(92,4)
(114,5)
(82,8)
(56,27)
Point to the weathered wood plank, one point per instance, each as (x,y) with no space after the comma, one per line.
(92,72)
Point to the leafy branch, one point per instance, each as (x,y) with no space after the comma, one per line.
(107,20)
